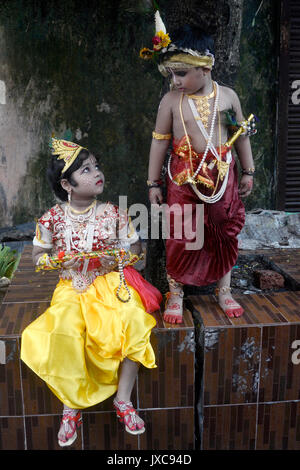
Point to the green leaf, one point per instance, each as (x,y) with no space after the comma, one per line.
(8,261)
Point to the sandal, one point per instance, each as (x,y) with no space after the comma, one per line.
(236,310)
(173,317)
(128,415)
(67,432)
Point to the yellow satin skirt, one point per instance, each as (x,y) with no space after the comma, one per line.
(77,345)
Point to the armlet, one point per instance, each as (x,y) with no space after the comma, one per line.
(157,136)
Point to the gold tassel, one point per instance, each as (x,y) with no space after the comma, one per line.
(222,169)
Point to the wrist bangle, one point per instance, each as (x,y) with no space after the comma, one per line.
(154,183)
(248,171)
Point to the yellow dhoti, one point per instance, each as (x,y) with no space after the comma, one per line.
(77,345)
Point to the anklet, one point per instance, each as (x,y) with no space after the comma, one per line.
(173,283)
(180,294)
(222,290)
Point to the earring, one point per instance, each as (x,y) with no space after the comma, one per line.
(69,196)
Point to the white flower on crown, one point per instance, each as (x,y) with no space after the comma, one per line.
(159,24)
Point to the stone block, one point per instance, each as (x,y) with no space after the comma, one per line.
(268,279)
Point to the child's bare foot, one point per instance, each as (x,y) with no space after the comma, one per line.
(174,307)
(229,306)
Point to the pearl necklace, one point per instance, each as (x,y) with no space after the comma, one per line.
(192,178)
(86,234)
(211,130)
(215,197)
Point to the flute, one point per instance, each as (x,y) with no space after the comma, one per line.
(247,127)
(47,262)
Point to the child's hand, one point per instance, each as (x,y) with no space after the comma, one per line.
(108,262)
(246,185)
(73,263)
(155,196)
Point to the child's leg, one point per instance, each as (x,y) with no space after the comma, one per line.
(70,422)
(226,301)
(122,402)
(129,370)
(174,303)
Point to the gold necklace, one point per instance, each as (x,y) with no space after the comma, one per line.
(75,211)
(203,106)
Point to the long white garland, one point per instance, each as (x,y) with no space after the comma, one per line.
(216,197)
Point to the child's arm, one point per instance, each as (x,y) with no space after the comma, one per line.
(38,251)
(243,149)
(159,147)
(43,244)
(136,248)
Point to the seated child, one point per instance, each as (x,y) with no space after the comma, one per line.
(89,343)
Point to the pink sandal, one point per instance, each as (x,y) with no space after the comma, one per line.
(128,415)
(67,432)
(171,309)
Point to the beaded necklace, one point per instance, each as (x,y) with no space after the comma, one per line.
(212,126)
(222,166)
(83,225)
(192,177)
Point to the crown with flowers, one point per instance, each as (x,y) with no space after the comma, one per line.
(160,40)
(65,150)
(162,43)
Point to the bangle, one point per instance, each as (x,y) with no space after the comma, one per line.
(157,136)
(248,171)
(154,183)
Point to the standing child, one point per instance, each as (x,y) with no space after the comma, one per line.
(201,169)
(93,325)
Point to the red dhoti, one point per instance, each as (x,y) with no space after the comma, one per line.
(223,220)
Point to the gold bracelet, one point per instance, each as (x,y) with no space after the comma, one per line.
(154,183)
(157,136)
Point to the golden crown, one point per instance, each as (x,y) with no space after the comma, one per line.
(65,150)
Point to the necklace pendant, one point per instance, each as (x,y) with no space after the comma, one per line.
(222,168)
(81,244)
(80,219)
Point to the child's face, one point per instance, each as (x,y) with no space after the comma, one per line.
(88,178)
(189,81)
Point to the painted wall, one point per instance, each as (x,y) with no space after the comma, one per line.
(73,71)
